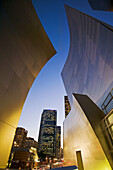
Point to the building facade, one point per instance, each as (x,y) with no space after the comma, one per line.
(24,150)
(46,140)
(67,106)
(107,105)
(103,5)
(58,142)
(30,142)
(20,137)
(20,63)
(88,79)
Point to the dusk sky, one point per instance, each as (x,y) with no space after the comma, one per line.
(47,91)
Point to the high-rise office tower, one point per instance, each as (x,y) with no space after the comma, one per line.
(46,140)
(20,137)
(23,149)
(30,142)
(58,142)
(67,106)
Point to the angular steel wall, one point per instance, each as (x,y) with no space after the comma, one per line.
(106,5)
(88,70)
(89,66)
(24,49)
(79,135)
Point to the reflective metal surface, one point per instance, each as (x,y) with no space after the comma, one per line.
(88,70)
(24,49)
(80,136)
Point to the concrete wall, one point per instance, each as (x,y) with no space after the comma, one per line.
(24,49)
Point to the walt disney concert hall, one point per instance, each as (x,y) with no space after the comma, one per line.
(88,80)
(24,49)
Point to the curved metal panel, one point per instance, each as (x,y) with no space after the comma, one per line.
(88,70)
(89,66)
(105,5)
(24,49)
(79,135)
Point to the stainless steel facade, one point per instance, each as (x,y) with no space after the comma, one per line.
(24,49)
(89,66)
(107,105)
(106,5)
(88,70)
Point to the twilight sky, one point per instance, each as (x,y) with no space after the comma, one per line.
(47,91)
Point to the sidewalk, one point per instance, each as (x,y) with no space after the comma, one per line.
(66,168)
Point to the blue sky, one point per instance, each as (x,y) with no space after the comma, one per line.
(47,91)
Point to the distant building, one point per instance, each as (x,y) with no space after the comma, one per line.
(61,152)
(47,139)
(58,142)
(30,142)
(24,150)
(21,158)
(20,137)
(67,106)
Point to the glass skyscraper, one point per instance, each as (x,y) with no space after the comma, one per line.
(58,142)
(67,106)
(47,136)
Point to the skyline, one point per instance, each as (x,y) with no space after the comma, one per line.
(48,84)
